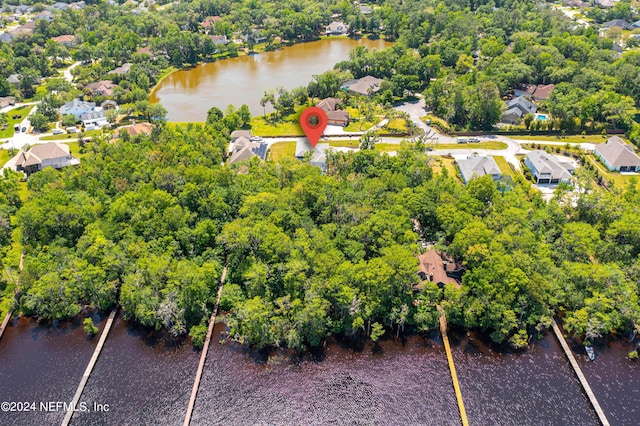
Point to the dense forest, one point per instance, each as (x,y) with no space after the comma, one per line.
(149,223)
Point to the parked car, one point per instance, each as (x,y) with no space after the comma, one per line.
(57,131)
(474,140)
(24,130)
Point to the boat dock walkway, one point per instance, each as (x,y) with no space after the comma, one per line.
(87,373)
(205,350)
(578,371)
(452,367)
(5,322)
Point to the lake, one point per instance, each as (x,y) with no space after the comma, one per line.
(188,94)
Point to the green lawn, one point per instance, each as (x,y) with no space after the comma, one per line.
(436,120)
(619,180)
(4,157)
(24,111)
(290,126)
(504,166)
(479,145)
(441,163)
(563,139)
(282,150)
(71,136)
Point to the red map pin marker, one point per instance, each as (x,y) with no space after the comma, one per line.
(313,121)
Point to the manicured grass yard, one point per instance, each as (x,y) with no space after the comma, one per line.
(282,150)
(4,156)
(441,163)
(290,126)
(8,132)
(504,165)
(619,180)
(71,136)
(565,139)
(479,145)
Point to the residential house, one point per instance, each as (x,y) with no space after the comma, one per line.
(77,108)
(317,155)
(477,166)
(337,28)
(22,9)
(134,129)
(219,39)
(366,85)
(78,5)
(525,90)
(240,133)
(49,154)
(618,155)
(517,108)
(101,88)
(27,28)
(108,105)
(7,101)
(336,117)
(145,51)
(60,6)
(94,119)
(121,70)
(6,37)
(14,79)
(617,23)
(547,168)
(543,91)
(209,23)
(433,268)
(366,10)
(45,15)
(604,3)
(65,40)
(244,149)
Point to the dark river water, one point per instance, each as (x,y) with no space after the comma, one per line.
(188,94)
(146,379)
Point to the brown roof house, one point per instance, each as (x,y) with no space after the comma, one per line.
(209,22)
(336,116)
(7,101)
(435,269)
(49,154)
(617,155)
(135,129)
(121,70)
(66,40)
(101,88)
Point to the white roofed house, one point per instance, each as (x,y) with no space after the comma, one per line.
(77,108)
(50,154)
(337,28)
(475,166)
(244,149)
(547,168)
(617,155)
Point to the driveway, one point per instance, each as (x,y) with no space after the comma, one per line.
(418,109)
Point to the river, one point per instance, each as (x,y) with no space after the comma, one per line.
(146,377)
(188,94)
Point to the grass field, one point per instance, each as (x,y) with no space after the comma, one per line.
(619,180)
(4,157)
(290,126)
(71,136)
(282,150)
(479,145)
(504,166)
(563,139)
(24,111)
(441,163)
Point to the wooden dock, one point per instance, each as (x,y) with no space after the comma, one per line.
(578,371)
(205,350)
(87,372)
(5,322)
(452,367)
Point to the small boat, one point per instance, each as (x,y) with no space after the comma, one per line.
(590,352)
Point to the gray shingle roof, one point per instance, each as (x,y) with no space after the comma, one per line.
(478,166)
(618,153)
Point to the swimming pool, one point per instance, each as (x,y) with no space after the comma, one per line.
(542,117)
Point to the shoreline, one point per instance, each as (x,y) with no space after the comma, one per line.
(174,69)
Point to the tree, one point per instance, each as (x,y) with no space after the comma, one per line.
(214,115)
(39,122)
(244,114)
(69,120)
(369,140)
(89,327)
(5,88)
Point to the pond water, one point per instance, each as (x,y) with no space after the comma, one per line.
(188,94)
